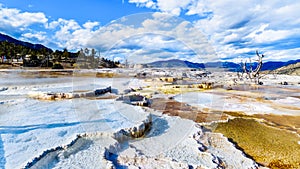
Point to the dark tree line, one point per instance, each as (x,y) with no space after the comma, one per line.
(108,63)
(34,57)
(90,59)
(45,57)
(12,51)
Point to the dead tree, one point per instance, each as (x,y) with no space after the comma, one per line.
(251,74)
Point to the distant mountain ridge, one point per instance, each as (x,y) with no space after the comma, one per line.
(176,63)
(9,39)
(231,66)
(275,65)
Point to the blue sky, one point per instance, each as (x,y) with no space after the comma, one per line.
(150,30)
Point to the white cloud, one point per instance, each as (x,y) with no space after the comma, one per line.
(106,37)
(157,36)
(173,6)
(53,25)
(144,3)
(73,36)
(169,6)
(252,23)
(64,35)
(220,28)
(232,26)
(40,36)
(270,35)
(90,25)
(14,18)
(198,7)
(231,37)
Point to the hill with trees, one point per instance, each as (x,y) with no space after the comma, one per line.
(291,69)
(20,53)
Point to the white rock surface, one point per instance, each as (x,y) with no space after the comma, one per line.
(182,141)
(31,128)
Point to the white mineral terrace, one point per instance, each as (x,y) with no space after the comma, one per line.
(99,133)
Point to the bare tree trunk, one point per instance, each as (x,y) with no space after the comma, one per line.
(253,75)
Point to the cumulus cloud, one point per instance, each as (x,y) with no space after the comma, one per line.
(90,25)
(157,36)
(151,47)
(143,3)
(249,25)
(173,6)
(169,6)
(218,32)
(22,24)
(14,18)
(66,33)
(39,36)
